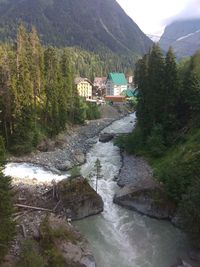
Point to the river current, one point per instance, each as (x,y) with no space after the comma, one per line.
(118,237)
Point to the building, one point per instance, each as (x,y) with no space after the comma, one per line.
(116,83)
(84,87)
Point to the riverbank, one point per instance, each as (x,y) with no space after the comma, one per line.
(70,147)
(137,192)
(132,237)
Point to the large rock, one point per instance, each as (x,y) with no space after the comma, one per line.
(106,137)
(66,242)
(145,199)
(134,170)
(64,166)
(78,198)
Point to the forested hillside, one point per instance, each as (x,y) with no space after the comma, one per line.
(95,25)
(168,129)
(38,95)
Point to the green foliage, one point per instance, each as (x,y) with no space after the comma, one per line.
(29,256)
(38,95)
(53,257)
(155,143)
(167,132)
(92,111)
(75,172)
(7,228)
(189,211)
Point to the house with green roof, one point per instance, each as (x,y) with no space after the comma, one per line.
(116,83)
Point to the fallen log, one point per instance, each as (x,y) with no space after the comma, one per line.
(31,207)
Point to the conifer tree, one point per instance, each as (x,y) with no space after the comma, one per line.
(6,207)
(172,91)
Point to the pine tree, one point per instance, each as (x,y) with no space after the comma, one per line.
(171,94)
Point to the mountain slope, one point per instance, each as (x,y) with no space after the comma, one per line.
(183,36)
(90,24)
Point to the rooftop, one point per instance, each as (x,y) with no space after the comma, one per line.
(117,78)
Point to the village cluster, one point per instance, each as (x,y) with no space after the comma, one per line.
(115,88)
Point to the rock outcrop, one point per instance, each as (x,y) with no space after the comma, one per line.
(106,137)
(145,199)
(141,192)
(78,198)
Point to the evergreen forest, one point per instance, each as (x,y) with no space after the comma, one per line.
(168,129)
(38,95)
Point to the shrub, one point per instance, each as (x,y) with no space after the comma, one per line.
(30,256)
(155,142)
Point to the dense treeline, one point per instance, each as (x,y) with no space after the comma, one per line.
(38,95)
(168,128)
(88,64)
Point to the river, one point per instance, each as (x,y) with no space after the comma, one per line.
(118,237)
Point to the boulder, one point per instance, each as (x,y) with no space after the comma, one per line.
(145,199)
(66,242)
(78,198)
(106,137)
(64,166)
(79,156)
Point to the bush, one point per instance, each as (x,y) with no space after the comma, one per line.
(155,142)
(92,111)
(133,143)
(30,256)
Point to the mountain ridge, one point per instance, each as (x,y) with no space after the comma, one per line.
(92,25)
(183,36)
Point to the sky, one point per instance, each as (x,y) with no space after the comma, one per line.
(153,15)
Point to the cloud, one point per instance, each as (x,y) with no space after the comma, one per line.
(190,11)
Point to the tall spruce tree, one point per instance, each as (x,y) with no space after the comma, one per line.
(171,94)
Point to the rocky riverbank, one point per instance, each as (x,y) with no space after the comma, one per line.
(35,200)
(69,148)
(140,191)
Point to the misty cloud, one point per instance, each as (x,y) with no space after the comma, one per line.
(190,11)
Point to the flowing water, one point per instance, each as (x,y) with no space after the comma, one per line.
(118,237)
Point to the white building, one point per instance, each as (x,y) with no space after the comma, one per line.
(116,83)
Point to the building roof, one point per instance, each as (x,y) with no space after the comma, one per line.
(128,93)
(117,78)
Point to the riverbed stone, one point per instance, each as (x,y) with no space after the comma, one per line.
(106,137)
(64,166)
(79,198)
